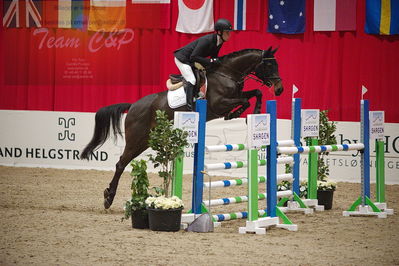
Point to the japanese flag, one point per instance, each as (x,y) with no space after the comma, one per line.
(195,16)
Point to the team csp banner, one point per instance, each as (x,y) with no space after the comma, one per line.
(76,58)
(62,136)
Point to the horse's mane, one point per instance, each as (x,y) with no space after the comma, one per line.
(237,53)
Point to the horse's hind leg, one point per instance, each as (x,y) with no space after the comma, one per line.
(131,151)
(136,143)
(110,192)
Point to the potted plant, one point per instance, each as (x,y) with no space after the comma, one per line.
(136,206)
(325,188)
(325,193)
(168,143)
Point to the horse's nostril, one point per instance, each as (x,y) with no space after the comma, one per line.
(278,91)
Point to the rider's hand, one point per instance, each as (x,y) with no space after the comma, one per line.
(215,61)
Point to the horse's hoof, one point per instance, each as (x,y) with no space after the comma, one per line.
(107,199)
(107,204)
(106,193)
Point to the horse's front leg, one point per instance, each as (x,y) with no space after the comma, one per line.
(254,93)
(247,95)
(223,105)
(237,113)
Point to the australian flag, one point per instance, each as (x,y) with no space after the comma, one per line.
(286,16)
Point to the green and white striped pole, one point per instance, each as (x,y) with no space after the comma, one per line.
(313,158)
(380,177)
(380,171)
(177,181)
(252,172)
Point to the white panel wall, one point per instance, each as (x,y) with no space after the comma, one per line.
(55,139)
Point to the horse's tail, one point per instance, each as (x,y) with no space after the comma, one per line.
(105,118)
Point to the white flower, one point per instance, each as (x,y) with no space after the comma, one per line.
(326,185)
(150,200)
(164,203)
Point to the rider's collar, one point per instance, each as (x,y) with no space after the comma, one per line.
(219,40)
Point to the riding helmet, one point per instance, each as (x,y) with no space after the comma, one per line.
(223,25)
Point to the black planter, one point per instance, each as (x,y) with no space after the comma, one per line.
(164,220)
(140,219)
(325,197)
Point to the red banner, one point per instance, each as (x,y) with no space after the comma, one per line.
(77,70)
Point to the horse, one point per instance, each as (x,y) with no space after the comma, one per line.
(225,97)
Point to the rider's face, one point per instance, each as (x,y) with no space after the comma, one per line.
(226,35)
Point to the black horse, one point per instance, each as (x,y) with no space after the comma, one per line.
(225,94)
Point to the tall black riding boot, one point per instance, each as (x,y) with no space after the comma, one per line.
(189,94)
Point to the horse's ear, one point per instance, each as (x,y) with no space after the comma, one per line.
(266,53)
(274,51)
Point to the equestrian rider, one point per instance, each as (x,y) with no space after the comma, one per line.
(203,50)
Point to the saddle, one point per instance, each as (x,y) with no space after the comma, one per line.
(176,81)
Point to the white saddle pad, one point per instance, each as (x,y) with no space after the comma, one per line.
(177,98)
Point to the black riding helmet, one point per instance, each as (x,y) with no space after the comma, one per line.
(223,25)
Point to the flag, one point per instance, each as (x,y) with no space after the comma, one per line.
(22,13)
(195,16)
(382,17)
(244,14)
(107,15)
(334,15)
(149,14)
(364,90)
(294,90)
(65,13)
(286,16)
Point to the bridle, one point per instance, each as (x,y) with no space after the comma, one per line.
(267,81)
(251,75)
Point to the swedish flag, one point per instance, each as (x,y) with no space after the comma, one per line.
(382,17)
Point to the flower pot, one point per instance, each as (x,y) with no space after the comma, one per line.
(325,197)
(165,220)
(140,219)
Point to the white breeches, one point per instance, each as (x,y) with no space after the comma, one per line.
(186,71)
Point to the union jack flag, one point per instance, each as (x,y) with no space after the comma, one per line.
(22,13)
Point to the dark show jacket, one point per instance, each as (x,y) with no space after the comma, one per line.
(199,50)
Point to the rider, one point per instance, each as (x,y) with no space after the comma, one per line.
(198,51)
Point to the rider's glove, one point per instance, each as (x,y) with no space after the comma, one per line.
(215,61)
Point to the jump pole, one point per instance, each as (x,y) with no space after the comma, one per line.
(271,171)
(296,136)
(197,208)
(380,177)
(199,156)
(366,206)
(296,122)
(254,224)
